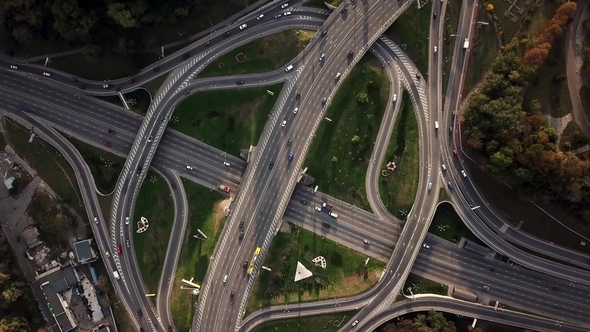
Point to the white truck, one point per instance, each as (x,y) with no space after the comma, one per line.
(116,275)
(466,43)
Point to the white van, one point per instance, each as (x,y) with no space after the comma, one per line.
(289,68)
(429,186)
(296,110)
(337,77)
(333,215)
(116,275)
(435,124)
(444,168)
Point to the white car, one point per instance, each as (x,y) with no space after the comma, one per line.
(394,96)
(425,246)
(190,168)
(337,77)
(429,186)
(367,242)
(355,323)
(260,17)
(287,13)
(225,278)
(105,86)
(126,220)
(332,214)
(444,168)
(285,5)
(322,57)
(435,49)
(296,110)
(463,173)
(13,67)
(46,74)
(284,123)
(317,208)
(289,67)
(225,163)
(96,220)
(486,287)
(243,26)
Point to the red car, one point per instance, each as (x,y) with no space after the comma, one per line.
(119,250)
(232,293)
(455,153)
(107,143)
(207,43)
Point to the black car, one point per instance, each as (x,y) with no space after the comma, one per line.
(139,169)
(272,163)
(241,224)
(240,83)
(227,33)
(185,56)
(304,202)
(111,131)
(289,142)
(245,265)
(170,328)
(324,33)
(241,235)
(298,95)
(17,238)
(157,69)
(326,225)
(139,313)
(491,269)
(434,15)
(173,186)
(133,80)
(553,287)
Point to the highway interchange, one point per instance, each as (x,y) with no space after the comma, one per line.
(76,114)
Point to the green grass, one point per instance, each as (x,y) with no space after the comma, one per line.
(104,166)
(398,190)
(262,55)
(423,286)
(453,12)
(339,165)
(514,208)
(483,48)
(229,120)
(153,85)
(154,202)
(207,214)
(105,203)
(443,195)
(575,140)
(48,162)
(320,323)
(344,275)
(554,96)
(448,225)
(411,32)
(138,100)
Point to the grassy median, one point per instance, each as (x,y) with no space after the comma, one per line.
(340,154)
(345,273)
(321,323)
(398,189)
(154,202)
(229,120)
(206,213)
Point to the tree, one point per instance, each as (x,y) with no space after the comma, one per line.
(121,15)
(103,284)
(71,22)
(92,53)
(362,97)
(13,324)
(355,139)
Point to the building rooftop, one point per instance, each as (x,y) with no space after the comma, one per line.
(52,283)
(8,182)
(31,236)
(83,251)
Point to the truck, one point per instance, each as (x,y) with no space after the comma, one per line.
(116,275)
(223,188)
(251,267)
(466,43)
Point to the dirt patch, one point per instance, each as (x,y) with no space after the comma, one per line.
(285,227)
(220,210)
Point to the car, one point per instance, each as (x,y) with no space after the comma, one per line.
(95,220)
(332,214)
(162,119)
(324,33)
(190,168)
(429,186)
(435,49)
(225,278)
(240,83)
(271,165)
(450,129)
(108,254)
(112,132)
(139,313)
(290,156)
(243,26)
(13,67)
(304,202)
(425,246)
(435,124)
(344,10)
(186,56)
(107,143)
(133,80)
(322,57)
(287,13)
(486,287)
(324,101)
(278,15)
(46,74)
(157,69)
(127,244)
(207,43)
(225,163)
(173,186)
(491,269)
(284,123)
(395,97)
(18,238)
(260,17)
(139,170)
(289,67)
(150,139)
(554,288)
(241,235)
(355,323)
(319,209)
(119,250)
(245,264)
(285,5)
(127,219)
(337,77)
(367,242)
(450,185)
(444,168)
(455,153)
(241,224)
(434,15)
(105,86)
(350,54)
(232,293)
(297,96)
(227,33)
(170,328)
(463,173)
(124,190)
(289,142)
(326,225)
